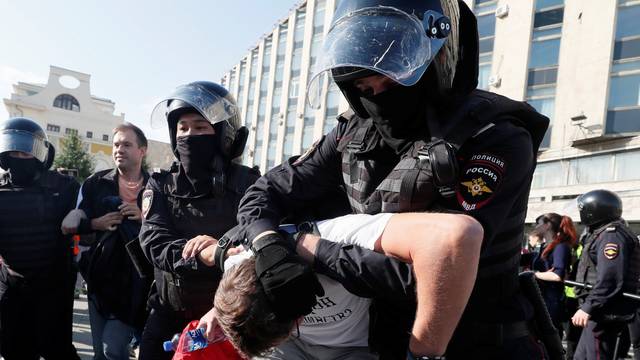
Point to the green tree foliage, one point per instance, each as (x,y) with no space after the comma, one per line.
(145,164)
(72,155)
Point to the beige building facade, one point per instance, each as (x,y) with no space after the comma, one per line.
(65,105)
(576,61)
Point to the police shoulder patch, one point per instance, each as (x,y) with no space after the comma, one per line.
(308,153)
(610,250)
(480,178)
(147,200)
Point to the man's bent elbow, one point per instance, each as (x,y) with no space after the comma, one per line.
(466,233)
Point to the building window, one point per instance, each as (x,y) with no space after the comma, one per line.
(273,138)
(242,72)
(53,128)
(484,11)
(105,137)
(89,134)
(70,131)
(232,80)
(289,130)
(548,174)
(579,171)
(257,158)
(67,102)
(623,109)
(318,16)
(301,15)
(543,60)
(308,126)
(626,166)
(294,87)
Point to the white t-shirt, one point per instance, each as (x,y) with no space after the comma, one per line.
(339,318)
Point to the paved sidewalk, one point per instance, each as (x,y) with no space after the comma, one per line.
(81,329)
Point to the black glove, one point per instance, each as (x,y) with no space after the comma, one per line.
(289,283)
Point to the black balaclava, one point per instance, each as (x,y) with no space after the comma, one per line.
(197,163)
(399,114)
(24,172)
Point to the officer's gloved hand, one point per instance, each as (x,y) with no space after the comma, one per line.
(288,282)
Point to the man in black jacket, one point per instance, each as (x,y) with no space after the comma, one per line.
(187,209)
(108,208)
(415,119)
(37,306)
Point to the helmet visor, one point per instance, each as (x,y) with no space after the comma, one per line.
(382,39)
(23,141)
(210,105)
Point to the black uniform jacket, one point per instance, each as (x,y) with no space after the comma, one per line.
(31,241)
(613,255)
(169,221)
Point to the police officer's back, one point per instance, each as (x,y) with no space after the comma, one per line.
(37,306)
(610,262)
(196,200)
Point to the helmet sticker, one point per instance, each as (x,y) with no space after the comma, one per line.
(480,179)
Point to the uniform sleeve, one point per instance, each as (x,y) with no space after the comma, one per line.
(495,178)
(84,203)
(294,185)
(366,273)
(161,243)
(70,191)
(611,261)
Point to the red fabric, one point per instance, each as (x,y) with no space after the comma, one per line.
(220,350)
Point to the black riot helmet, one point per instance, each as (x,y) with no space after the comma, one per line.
(215,104)
(395,38)
(599,206)
(25,135)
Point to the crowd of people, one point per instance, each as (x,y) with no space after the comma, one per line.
(397,235)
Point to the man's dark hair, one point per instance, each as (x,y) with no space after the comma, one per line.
(142,139)
(244,313)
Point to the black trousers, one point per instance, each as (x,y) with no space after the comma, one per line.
(524,348)
(598,341)
(37,320)
(571,331)
(160,327)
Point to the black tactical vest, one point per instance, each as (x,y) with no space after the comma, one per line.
(588,272)
(211,216)
(30,237)
(405,184)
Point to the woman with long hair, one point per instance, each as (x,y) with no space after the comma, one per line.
(552,265)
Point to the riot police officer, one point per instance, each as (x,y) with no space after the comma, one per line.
(37,306)
(419,136)
(610,262)
(187,209)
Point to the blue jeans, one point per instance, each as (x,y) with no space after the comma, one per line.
(111,337)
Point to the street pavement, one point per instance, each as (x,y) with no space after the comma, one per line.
(81,328)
